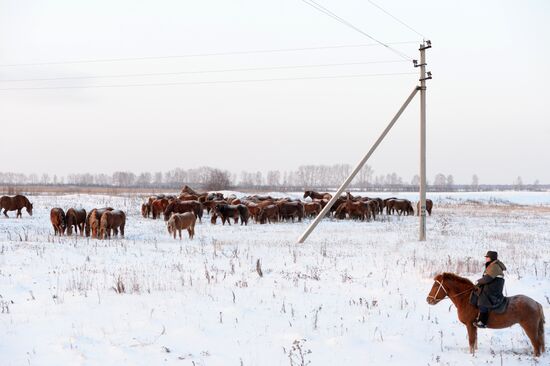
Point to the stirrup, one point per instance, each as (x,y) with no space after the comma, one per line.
(479,324)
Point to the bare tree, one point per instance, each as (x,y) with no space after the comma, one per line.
(475,182)
(217,179)
(273,178)
(450,181)
(440,181)
(518,183)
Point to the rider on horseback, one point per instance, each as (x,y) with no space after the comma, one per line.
(489,288)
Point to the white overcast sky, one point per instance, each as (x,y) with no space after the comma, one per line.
(487,103)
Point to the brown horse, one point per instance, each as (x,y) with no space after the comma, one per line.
(429,206)
(269,213)
(188,190)
(112,221)
(188,197)
(179,222)
(178,206)
(58,220)
(76,218)
(317,195)
(145,209)
(15,203)
(92,220)
(312,209)
(358,210)
(521,309)
(253,209)
(158,206)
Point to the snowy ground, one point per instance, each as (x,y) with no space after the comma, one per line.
(354,294)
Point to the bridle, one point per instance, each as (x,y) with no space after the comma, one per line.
(441,287)
(434,297)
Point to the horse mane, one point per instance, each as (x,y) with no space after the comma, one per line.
(456,278)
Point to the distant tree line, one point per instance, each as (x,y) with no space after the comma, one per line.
(320,177)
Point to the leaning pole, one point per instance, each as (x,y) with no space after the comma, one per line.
(422,88)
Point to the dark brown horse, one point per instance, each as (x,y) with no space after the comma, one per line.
(317,195)
(226,212)
(401,206)
(290,210)
(76,218)
(58,220)
(521,309)
(429,206)
(210,205)
(158,206)
(15,203)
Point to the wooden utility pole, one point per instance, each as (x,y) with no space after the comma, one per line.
(422,214)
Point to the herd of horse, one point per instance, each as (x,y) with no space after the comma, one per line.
(267,209)
(99,223)
(104,222)
(182,212)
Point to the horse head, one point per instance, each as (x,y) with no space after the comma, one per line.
(448,284)
(438,291)
(307,194)
(28,206)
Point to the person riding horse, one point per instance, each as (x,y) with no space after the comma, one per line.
(489,288)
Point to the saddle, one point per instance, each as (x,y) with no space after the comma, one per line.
(501,308)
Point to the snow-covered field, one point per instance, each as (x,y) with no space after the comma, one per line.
(354,294)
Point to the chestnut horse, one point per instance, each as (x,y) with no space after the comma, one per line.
(15,203)
(521,309)
(317,195)
(158,206)
(312,209)
(58,220)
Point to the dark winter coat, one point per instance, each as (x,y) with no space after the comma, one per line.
(492,284)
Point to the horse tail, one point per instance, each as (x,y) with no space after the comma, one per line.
(540,334)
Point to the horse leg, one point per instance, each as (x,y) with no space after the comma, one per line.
(531,328)
(472,337)
(19,214)
(6,212)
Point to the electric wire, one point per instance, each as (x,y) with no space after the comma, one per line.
(396,19)
(212,82)
(326,11)
(286,67)
(230,53)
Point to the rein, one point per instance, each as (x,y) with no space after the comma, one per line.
(446,293)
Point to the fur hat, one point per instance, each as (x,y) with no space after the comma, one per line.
(491,254)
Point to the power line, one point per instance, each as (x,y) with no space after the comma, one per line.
(213,82)
(326,11)
(203,71)
(199,55)
(396,19)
